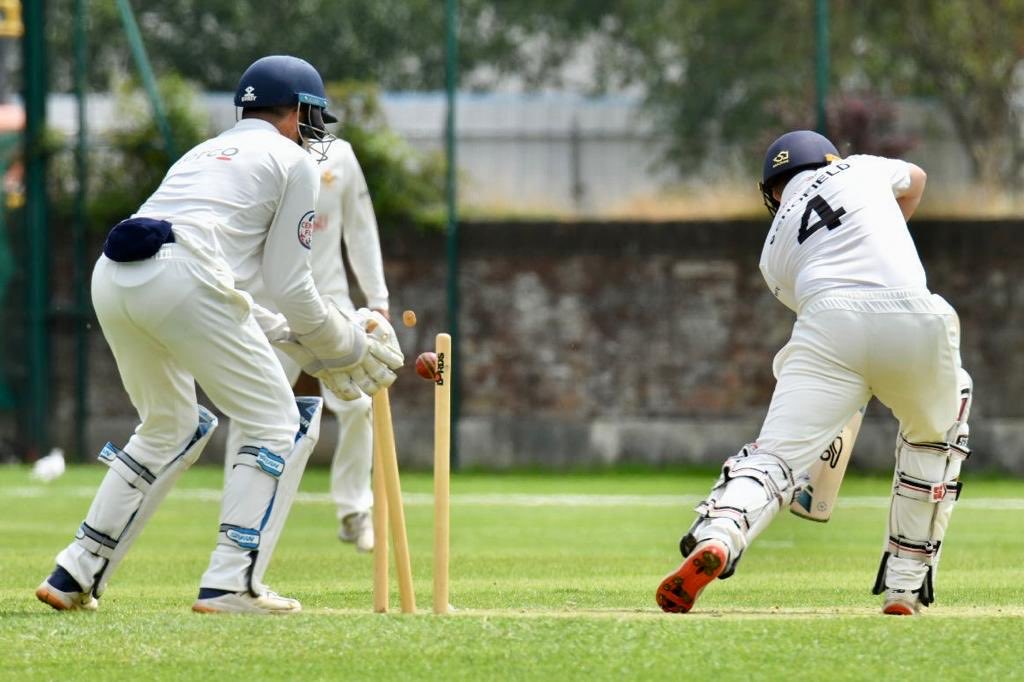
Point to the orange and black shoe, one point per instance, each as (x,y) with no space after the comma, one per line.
(901,603)
(680,588)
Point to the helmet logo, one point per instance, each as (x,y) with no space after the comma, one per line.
(781,159)
(249,95)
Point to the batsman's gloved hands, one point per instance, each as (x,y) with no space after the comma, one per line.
(351,353)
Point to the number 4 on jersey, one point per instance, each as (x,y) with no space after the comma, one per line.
(826,218)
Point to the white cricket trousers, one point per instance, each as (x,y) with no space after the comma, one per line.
(171,322)
(352,461)
(900,345)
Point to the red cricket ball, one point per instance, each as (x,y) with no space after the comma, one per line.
(426,365)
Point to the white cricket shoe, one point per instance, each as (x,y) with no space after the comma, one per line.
(357,528)
(901,603)
(64,594)
(222,601)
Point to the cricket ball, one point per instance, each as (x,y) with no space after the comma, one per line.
(426,365)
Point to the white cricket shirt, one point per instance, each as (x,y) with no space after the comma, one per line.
(840,227)
(244,201)
(344,212)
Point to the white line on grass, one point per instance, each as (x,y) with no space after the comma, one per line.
(522,499)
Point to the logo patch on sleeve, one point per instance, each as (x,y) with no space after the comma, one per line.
(306,226)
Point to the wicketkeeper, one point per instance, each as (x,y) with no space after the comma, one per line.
(839,254)
(234,207)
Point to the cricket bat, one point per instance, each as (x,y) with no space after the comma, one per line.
(817,498)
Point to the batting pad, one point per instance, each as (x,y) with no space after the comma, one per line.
(128,496)
(258,496)
(751,489)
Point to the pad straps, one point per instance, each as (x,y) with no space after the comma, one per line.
(262,459)
(95,542)
(134,474)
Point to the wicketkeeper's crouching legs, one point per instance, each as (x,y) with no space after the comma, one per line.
(127,497)
(258,495)
(926,487)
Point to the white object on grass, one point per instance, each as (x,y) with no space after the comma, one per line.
(49,467)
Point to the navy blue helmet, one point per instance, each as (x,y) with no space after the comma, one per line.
(282,80)
(795,151)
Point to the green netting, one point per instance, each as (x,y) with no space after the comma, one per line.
(8,145)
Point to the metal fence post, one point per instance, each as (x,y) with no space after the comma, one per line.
(37,230)
(821,64)
(78,237)
(131,30)
(452,242)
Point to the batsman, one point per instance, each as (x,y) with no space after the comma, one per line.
(839,254)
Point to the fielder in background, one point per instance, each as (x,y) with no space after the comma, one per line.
(839,254)
(344,214)
(169,294)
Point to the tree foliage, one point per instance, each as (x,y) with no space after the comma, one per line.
(966,54)
(406,186)
(741,72)
(128,163)
(711,71)
(398,44)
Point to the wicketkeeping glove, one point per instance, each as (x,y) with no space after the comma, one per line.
(344,355)
(384,355)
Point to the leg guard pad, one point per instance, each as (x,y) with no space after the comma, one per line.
(127,498)
(258,496)
(753,486)
(926,487)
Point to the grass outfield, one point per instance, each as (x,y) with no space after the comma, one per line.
(553,576)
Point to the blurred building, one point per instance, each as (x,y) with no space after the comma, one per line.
(535,154)
(559,154)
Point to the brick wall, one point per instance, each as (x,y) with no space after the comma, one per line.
(652,343)
(589,344)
